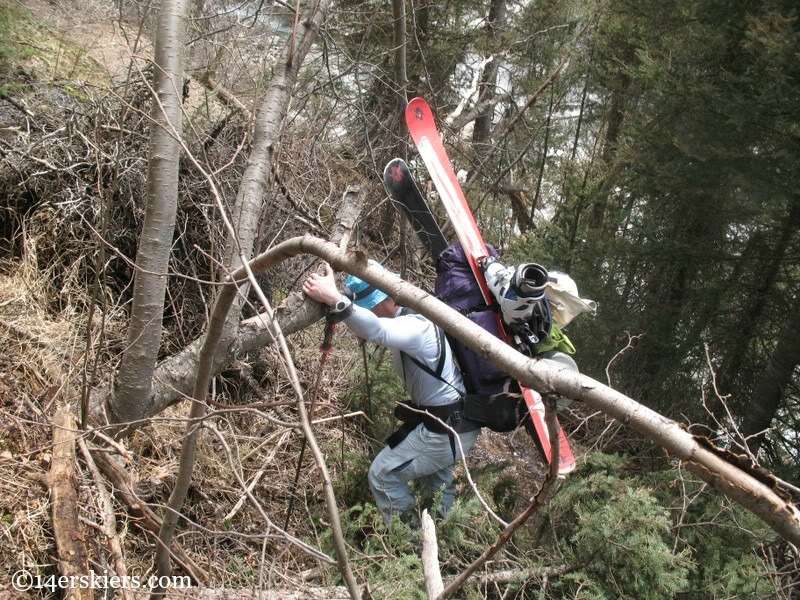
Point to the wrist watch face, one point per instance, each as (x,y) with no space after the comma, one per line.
(340,305)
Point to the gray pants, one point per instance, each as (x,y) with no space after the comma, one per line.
(424,457)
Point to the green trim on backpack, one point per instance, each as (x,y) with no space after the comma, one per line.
(557,340)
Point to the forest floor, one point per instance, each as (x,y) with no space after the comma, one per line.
(91,30)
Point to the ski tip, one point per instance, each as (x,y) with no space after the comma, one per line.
(394,163)
(395,170)
(565,468)
(418,110)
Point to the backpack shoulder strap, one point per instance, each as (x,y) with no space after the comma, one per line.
(442,344)
(441,341)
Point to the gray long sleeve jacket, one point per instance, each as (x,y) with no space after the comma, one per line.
(417,337)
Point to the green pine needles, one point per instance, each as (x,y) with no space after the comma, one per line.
(610,532)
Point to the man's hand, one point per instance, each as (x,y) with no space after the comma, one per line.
(322,287)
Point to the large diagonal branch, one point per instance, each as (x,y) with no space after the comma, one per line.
(751,490)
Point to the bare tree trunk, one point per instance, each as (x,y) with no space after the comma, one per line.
(769,250)
(134,396)
(133,386)
(543,164)
(400,61)
(481,133)
(258,174)
(614,121)
(766,398)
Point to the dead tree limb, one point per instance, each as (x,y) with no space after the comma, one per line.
(109,522)
(174,377)
(70,542)
(757,492)
(227,97)
(149,521)
(430,557)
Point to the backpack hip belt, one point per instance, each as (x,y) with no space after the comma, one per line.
(452,414)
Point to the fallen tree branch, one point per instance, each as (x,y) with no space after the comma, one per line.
(757,492)
(430,557)
(227,97)
(149,521)
(109,522)
(70,543)
(174,377)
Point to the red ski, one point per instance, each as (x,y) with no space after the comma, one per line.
(422,127)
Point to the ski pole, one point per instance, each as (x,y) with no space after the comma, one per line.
(325,347)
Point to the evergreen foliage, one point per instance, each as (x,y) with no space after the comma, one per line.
(628,537)
(616,533)
(376,391)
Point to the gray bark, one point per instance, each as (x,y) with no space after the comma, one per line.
(258,174)
(133,386)
(141,390)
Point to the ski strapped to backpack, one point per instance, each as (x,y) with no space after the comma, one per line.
(422,128)
(407,198)
(493,399)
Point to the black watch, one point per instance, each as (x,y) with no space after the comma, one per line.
(341,310)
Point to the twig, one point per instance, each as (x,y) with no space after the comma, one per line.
(358,413)
(109,526)
(619,354)
(318,554)
(737,435)
(148,519)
